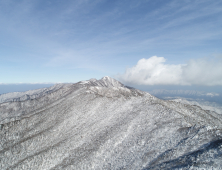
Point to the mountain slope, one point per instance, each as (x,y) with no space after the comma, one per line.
(102,124)
(31,94)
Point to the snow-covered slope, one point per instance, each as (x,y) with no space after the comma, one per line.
(102,124)
(201,103)
(162,92)
(31,94)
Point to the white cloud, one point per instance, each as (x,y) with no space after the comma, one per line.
(154,71)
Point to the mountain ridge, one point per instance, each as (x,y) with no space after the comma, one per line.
(102,124)
(31,94)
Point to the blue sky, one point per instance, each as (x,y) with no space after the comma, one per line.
(72,40)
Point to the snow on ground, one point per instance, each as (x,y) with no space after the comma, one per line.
(102,124)
(206,105)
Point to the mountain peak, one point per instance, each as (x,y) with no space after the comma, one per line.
(109,82)
(103,82)
(106,78)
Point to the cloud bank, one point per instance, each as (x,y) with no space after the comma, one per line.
(155,71)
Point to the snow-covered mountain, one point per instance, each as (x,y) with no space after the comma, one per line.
(183,92)
(102,124)
(206,105)
(31,94)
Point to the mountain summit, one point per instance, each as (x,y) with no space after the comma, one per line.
(102,124)
(104,82)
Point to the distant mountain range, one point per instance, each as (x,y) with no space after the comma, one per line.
(103,124)
(182,92)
